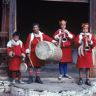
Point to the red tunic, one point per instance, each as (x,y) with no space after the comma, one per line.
(14,62)
(85,61)
(65,46)
(34,41)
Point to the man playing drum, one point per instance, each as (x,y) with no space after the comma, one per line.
(64,38)
(34,63)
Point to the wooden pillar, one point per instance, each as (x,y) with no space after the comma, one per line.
(5,22)
(93,16)
(4,32)
(93,30)
(8,27)
(12,19)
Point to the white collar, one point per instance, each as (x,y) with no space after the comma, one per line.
(15,43)
(37,35)
(12,43)
(87,33)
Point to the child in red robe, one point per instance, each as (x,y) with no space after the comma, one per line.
(64,38)
(85,42)
(16,53)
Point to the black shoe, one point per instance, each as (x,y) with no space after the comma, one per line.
(10,79)
(38,80)
(30,80)
(80,82)
(88,82)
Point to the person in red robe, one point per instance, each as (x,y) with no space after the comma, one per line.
(85,42)
(64,38)
(34,63)
(16,53)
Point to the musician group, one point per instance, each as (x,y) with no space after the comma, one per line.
(19,52)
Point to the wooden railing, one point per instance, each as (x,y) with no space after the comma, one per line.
(2,50)
(3,34)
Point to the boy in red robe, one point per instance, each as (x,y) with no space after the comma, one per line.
(64,38)
(35,64)
(16,53)
(85,42)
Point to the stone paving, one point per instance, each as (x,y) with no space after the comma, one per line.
(51,87)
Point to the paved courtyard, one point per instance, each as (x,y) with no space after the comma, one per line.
(51,85)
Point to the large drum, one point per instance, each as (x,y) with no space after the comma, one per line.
(48,51)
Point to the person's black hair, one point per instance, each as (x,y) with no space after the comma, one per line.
(35,24)
(15,34)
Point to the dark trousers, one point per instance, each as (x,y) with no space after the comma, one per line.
(14,74)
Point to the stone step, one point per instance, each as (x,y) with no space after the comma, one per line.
(54,87)
(51,87)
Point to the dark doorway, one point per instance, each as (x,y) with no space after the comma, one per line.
(48,14)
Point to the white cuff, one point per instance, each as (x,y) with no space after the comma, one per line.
(91,42)
(27,51)
(11,54)
(70,35)
(57,37)
(54,41)
(66,31)
(23,55)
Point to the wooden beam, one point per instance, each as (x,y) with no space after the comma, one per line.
(3,35)
(82,1)
(2,50)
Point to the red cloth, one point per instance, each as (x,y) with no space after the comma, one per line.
(86,60)
(14,63)
(36,62)
(66,48)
